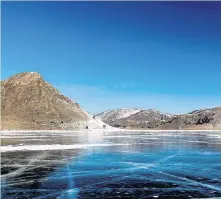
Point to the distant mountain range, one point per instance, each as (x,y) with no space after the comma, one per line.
(134,118)
(30,103)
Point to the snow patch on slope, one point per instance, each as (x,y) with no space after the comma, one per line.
(118,113)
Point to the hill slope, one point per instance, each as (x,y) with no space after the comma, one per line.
(28,102)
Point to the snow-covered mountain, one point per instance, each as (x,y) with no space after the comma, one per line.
(131,117)
(115,114)
(153,119)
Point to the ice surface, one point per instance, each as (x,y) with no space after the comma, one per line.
(46,147)
(112,165)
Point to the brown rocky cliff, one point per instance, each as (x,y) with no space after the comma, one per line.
(28,102)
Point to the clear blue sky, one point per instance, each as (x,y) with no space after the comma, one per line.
(104,55)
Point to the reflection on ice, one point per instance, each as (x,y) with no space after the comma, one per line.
(114,165)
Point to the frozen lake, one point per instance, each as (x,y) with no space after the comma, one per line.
(111,165)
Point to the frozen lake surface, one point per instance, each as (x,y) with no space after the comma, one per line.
(111,165)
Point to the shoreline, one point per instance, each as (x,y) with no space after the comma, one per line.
(107,130)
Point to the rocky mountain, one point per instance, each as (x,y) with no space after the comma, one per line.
(153,119)
(30,103)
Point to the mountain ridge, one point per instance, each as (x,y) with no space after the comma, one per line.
(207,118)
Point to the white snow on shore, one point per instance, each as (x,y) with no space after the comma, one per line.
(89,125)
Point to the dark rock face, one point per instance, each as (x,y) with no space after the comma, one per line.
(152,119)
(28,102)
